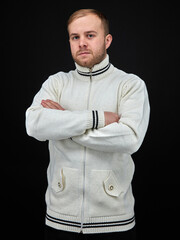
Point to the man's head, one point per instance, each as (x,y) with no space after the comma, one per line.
(89,37)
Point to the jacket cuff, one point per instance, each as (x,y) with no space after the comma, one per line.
(95,119)
(101,122)
(98,119)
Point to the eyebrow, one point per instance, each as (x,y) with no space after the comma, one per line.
(91,31)
(75,34)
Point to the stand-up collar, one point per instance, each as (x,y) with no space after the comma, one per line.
(97,71)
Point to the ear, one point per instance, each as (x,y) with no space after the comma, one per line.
(108,40)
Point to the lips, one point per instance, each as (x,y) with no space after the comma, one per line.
(83,53)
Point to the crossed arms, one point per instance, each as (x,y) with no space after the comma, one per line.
(48,120)
(110,117)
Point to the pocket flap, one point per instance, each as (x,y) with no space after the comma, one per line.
(58,184)
(111,185)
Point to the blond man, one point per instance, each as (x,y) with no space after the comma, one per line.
(94,117)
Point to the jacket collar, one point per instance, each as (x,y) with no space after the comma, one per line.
(98,71)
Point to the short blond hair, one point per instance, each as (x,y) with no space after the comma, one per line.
(85,12)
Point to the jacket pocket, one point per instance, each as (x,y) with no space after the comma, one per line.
(111,185)
(58,183)
(108,196)
(64,191)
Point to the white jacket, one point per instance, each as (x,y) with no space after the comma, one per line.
(91,169)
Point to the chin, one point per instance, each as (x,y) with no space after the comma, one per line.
(87,64)
(84,61)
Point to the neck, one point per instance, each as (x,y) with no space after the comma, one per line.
(98,62)
(96,71)
(95,67)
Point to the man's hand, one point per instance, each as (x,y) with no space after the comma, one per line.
(51,104)
(111,117)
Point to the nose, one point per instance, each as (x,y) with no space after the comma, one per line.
(82,42)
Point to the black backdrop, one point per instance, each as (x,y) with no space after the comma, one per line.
(35,45)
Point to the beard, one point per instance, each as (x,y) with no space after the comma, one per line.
(91,58)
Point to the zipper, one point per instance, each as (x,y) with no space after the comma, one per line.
(88,100)
(84,160)
(82,208)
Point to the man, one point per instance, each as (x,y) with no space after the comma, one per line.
(94,117)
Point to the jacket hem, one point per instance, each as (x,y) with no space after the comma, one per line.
(90,225)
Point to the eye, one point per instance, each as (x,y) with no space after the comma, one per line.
(90,35)
(75,37)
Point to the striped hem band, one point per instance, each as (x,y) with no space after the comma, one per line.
(90,227)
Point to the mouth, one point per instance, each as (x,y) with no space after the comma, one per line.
(83,53)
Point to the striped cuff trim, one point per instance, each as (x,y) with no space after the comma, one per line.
(95,119)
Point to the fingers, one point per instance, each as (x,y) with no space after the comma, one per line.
(116,118)
(111,117)
(51,104)
(47,104)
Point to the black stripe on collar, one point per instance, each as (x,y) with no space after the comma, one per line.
(95,73)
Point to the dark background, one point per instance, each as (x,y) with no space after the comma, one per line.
(35,45)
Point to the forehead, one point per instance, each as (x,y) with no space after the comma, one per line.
(87,23)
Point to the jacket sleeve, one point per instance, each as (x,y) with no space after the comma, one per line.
(127,135)
(50,124)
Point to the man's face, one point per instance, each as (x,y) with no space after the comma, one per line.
(87,40)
